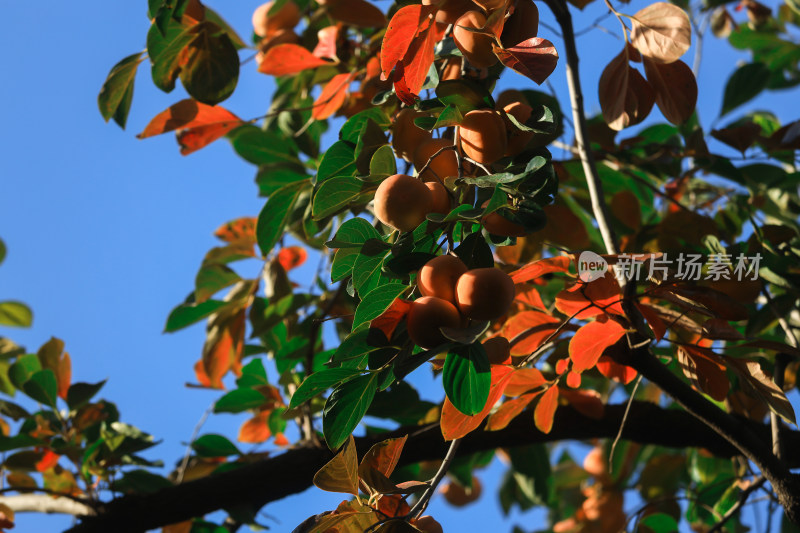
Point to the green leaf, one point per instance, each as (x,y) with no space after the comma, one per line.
(338,160)
(659,523)
(467,378)
(353,233)
(15,314)
(212,278)
(211,70)
(319,382)
(19,441)
(79,394)
(744,85)
(116,94)
(187,314)
(275,215)
(42,386)
(262,147)
(367,268)
(275,422)
(23,368)
(345,408)
(450,116)
(214,446)
(352,128)
(164,51)
(383,162)
(464,94)
(376,301)
(239,400)
(334,195)
(2,251)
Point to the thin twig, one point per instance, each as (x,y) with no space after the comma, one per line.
(739,503)
(187,455)
(622,425)
(422,503)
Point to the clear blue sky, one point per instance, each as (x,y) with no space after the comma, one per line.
(105,233)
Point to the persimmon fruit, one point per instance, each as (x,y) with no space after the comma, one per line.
(287,17)
(449,10)
(476,47)
(484,293)
(522,25)
(517,139)
(402,202)
(498,349)
(428,524)
(426,316)
(440,198)
(438,277)
(442,166)
(483,136)
(459,496)
(407,136)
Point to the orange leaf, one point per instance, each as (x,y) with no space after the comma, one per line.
(393,505)
(64,375)
(200,374)
(418,60)
(404,27)
(534,58)
(675,89)
(48,461)
(456,424)
(287,59)
(388,320)
(509,411)
(332,96)
(545,410)
(223,349)
(384,455)
(239,230)
(585,300)
(292,257)
(573,379)
(540,268)
(586,402)
(255,430)
(613,370)
(523,380)
(589,342)
(281,440)
(653,320)
(530,296)
(188,114)
(358,13)
(532,327)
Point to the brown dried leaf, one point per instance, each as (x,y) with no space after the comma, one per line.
(341,472)
(662,32)
(675,88)
(626,98)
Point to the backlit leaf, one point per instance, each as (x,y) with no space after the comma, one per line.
(332,97)
(384,455)
(340,474)
(540,268)
(545,411)
(405,25)
(661,31)
(286,59)
(116,94)
(508,411)
(15,314)
(535,58)
(625,96)
(455,424)
(589,342)
(675,89)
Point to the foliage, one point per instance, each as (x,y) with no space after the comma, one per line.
(342,344)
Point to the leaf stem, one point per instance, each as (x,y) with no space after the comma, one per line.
(422,503)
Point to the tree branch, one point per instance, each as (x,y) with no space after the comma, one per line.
(274,478)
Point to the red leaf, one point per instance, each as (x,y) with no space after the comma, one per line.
(589,342)
(418,60)
(48,461)
(223,349)
(292,257)
(613,370)
(530,296)
(535,58)
(400,87)
(198,124)
(675,89)
(653,320)
(540,268)
(705,369)
(188,114)
(456,424)
(384,455)
(289,58)
(573,380)
(509,411)
(64,375)
(404,27)
(393,505)
(389,319)
(625,96)
(523,380)
(545,410)
(332,96)
(532,327)
(585,300)
(326,42)
(239,230)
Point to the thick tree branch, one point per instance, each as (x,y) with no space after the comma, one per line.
(272,479)
(45,503)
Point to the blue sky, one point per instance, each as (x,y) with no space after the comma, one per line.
(105,232)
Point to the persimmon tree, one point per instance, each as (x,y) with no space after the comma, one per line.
(639,294)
